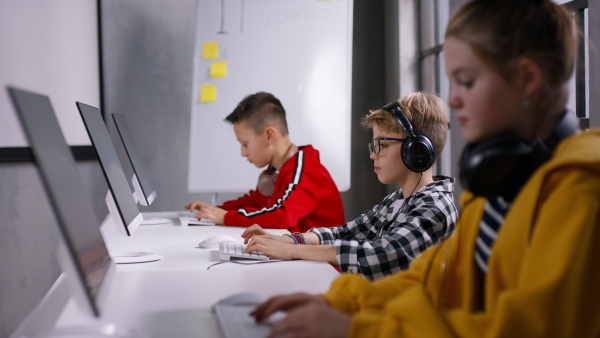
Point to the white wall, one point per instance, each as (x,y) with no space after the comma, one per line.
(50,47)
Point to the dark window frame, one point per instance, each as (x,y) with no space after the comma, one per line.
(577,6)
(434,51)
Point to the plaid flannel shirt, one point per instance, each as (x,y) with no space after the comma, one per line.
(385,239)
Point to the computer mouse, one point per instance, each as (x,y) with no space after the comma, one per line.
(243,298)
(216,239)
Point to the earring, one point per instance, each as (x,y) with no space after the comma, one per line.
(526,102)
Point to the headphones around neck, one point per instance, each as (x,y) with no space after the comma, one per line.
(418,152)
(502,165)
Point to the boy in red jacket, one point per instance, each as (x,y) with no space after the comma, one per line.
(295,192)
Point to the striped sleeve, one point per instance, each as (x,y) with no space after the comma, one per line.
(249,212)
(297,199)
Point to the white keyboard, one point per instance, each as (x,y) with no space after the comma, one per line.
(235,321)
(229,250)
(188,220)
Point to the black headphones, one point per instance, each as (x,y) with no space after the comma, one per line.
(418,152)
(501,166)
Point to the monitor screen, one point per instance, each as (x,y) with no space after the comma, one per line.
(141,181)
(109,161)
(82,252)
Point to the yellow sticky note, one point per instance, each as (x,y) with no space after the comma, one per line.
(208,93)
(218,69)
(210,50)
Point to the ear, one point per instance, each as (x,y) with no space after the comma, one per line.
(271,134)
(529,77)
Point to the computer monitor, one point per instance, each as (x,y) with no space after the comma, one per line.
(125,206)
(144,193)
(120,201)
(143,190)
(82,253)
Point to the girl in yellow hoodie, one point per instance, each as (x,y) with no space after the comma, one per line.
(523,261)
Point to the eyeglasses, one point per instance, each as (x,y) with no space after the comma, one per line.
(375,144)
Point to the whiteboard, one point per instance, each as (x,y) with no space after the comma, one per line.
(298,50)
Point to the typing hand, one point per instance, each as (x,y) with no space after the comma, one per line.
(196,205)
(256,230)
(271,247)
(308,316)
(215,214)
(285,303)
(312,320)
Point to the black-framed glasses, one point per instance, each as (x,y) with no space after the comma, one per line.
(375,144)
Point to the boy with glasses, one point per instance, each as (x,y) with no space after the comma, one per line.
(385,239)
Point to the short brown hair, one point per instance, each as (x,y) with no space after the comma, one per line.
(426,113)
(502,31)
(259,111)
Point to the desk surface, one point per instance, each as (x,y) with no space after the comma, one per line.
(172,297)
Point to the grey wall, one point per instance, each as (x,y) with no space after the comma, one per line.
(368,92)
(148,46)
(27,236)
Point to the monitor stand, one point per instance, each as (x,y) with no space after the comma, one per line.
(126,257)
(139,197)
(42,319)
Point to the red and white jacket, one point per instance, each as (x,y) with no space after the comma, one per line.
(304,197)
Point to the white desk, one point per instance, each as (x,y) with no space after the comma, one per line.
(172,297)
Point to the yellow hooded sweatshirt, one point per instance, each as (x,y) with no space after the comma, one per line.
(543,275)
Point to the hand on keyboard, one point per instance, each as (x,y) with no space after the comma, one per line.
(228,250)
(272,248)
(234,316)
(235,322)
(323,321)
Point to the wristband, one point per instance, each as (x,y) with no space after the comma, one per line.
(292,237)
(297,238)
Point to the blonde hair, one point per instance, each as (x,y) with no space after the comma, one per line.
(503,31)
(425,112)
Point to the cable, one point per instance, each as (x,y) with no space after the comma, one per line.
(252,263)
(411,194)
